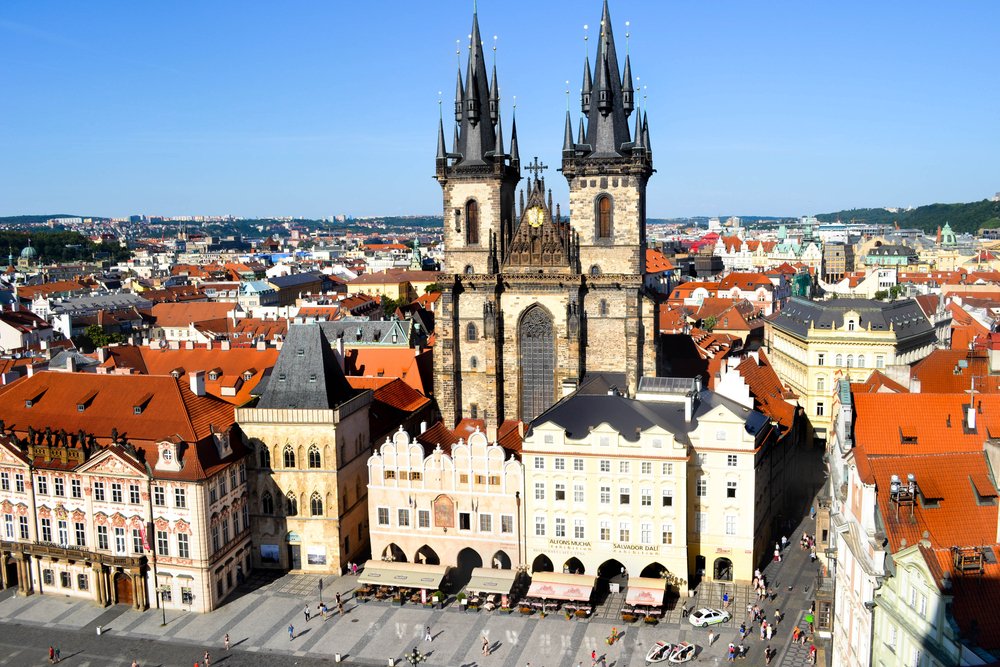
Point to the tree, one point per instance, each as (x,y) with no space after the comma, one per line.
(95,336)
(709,323)
(434,287)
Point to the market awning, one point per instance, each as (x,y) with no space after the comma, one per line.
(559,586)
(645,591)
(405,575)
(488,580)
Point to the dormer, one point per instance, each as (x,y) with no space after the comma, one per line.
(852,321)
(221,441)
(84,402)
(140,405)
(169,456)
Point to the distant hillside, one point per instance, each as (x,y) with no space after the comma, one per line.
(968,218)
(16,220)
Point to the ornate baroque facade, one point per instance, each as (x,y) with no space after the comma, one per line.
(532,302)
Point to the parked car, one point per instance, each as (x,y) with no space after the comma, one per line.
(707,616)
(659,652)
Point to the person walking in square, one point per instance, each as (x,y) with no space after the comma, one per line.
(340,605)
(305,611)
(593,658)
(486,645)
(711,637)
(52,655)
(225,642)
(427,634)
(207,659)
(291,632)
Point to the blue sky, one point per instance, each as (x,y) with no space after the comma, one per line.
(318,108)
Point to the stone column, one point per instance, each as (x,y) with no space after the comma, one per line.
(3,570)
(24,585)
(99,585)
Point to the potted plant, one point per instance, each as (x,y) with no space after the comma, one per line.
(436,598)
(650,620)
(526,610)
(462,600)
(505,610)
(628,618)
(581,613)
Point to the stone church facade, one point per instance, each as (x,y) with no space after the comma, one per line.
(532,301)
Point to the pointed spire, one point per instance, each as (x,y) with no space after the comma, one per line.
(442,153)
(582,135)
(477,138)
(588,85)
(637,135)
(494,94)
(628,93)
(454,142)
(459,97)
(515,156)
(645,132)
(499,149)
(568,138)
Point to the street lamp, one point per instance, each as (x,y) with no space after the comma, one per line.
(415,657)
(161,591)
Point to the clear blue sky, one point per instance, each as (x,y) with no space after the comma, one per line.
(318,108)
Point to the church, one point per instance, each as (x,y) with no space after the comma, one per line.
(532,302)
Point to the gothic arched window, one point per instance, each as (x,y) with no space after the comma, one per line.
(537,360)
(604,217)
(316,505)
(267,503)
(292,505)
(595,270)
(472,222)
(471,333)
(265,457)
(602,308)
(469,270)
(289,456)
(314,460)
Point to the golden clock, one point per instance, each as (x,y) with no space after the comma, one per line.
(536,216)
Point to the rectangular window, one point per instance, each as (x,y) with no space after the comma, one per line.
(539,491)
(47,577)
(605,441)
(700,521)
(187,596)
(46,530)
(102,538)
(624,530)
(245,511)
(383,516)
(923,605)
(668,497)
(730,524)
(605,465)
(668,468)
(560,463)
(60,486)
(701,488)
(183,547)
(212,495)
(136,541)
(623,467)
(4,481)
(820,408)
(159,496)
(225,531)
(560,527)
(75,490)
(120,545)
(560,491)
(63,528)
(133,494)
(578,465)
(540,526)
(578,529)
(605,495)
(821,359)
(19,482)
(389,474)
(578,493)
(485,523)
(116,493)
(463,478)
(423,518)
(65,580)
(605,531)
(624,495)
(222,486)
(646,533)
(81,533)
(216,542)
(22,522)
(82,582)
(506,523)
(702,459)
(730,489)
(404,518)
(163,543)
(647,468)
(180,499)
(667,533)
(646,497)
(43,485)
(99,491)
(879,361)
(464,521)
(539,463)
(8,526)
(731,460)
(232,478)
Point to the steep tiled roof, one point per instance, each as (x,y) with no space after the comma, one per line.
(656,262)
(744,281)
(186,313)
(974,597)
(941,372)
(407,364)
(878,382)
(29,292)
(23,321)
(767,390)
(306,375)
(391,391)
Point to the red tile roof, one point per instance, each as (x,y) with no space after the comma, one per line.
(940,372)
(656,262)
(407,364)
(768,392)
(745,282)
(878,382)
(974,596)
(186,313)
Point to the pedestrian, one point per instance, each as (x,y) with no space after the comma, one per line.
(812,654)
(305,611)
(725,600)
(350,567)
(355,569)
(427,634)
(135,664)
(731,653)
(770,631)
(768,654)
(207,659)
(711,637)
(743,631)
(486,645)
(749,610)
(784,542)
(796,631)
(777,554)
(777,616)
(812,512)
(52,655)
(763,630)
(291,632)
(593,658)
(225,641)
(340,605)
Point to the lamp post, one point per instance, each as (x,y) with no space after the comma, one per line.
(415,657)
(160,590)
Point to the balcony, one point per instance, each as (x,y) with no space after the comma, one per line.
(57,552)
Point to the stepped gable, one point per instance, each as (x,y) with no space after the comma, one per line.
(540,240)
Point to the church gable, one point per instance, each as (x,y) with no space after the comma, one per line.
(540,241)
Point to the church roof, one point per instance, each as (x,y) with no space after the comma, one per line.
(306,375)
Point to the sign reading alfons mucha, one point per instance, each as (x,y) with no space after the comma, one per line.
(444,512)
(560,545)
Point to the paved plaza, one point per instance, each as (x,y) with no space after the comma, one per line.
(371,633)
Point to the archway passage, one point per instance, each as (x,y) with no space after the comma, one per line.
(537,362)
(500,561)
(611,569)
(468,560)
(427,556)
(123,589)
(654,571)
(573,566)
(394,553)
(611,577)
(542,563)
(722,570)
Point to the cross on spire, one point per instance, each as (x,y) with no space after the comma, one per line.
(536,167)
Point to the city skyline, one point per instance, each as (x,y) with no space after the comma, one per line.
(244,110)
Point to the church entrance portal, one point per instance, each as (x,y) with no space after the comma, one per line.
(537,362)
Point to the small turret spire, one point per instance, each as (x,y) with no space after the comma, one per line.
(499,149)
(442,153)
(494,88)
(628,93)
(454,144)
(645,132)
(588,85)
(515,156)
(637,135)
(568,137)
(459,94)
(581,135)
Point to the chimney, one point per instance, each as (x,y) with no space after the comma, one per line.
(339,349)
(225,344)
(70,364)
(31,369)
(423,428)
(688,408)
(208,344)
(102,354)
(261,345)
(197,380)
(971,412)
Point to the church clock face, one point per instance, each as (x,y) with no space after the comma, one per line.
(536,216)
